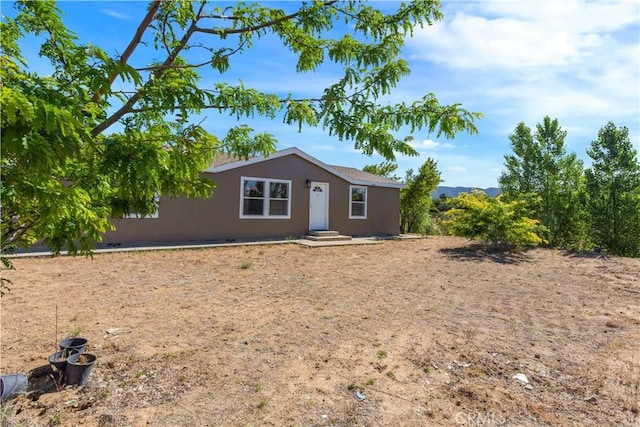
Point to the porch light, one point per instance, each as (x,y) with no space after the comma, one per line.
(308,182)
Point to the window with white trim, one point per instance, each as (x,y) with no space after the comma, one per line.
(265,198)
(358,202)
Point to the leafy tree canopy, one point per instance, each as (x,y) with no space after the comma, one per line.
(104,135)
(541,171)
(386,169)
(415,198)
(613,192)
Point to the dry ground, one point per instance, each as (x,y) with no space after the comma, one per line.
(430,331)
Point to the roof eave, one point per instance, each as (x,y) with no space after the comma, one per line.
(377,184)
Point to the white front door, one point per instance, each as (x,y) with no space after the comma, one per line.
(319,206)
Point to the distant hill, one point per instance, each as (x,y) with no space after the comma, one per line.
(454,191)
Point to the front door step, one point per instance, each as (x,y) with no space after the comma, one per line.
(326,236)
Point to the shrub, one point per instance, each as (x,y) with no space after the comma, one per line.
(506,226)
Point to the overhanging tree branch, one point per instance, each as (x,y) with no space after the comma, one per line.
(144,24)
(169,61)
(255,27)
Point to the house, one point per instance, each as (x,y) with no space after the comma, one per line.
(287,194)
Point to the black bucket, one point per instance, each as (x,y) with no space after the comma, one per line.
(79,366)
(74,344)
(58,362)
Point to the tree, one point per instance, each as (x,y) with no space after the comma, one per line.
(415,198)
(613,192)
(505,225)
(542,172)
(386,169)
(441,203)
(78,149)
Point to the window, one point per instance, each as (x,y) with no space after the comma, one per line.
(267,198)
(358,205)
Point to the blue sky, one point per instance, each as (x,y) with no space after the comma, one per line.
(577,61)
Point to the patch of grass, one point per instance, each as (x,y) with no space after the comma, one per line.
(6,414)
(246,264)
(382,354)
(371,381)
(391,375)
(257,386)
(139,374)
(54,420)
(170,355)
(262,404)
(426,369)
(76,331)
(616,345)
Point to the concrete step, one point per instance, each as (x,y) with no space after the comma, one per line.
(324,233)
(326,236)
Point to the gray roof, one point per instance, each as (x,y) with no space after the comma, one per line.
(223,158)
(360,175)
(223,162)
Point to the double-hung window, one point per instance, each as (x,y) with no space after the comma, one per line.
(265,198)
(358,202)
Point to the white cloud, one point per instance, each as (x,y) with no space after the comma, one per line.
(522,34)
(514,61)
(496,43)
(114,14)
(595,16)
(428,144)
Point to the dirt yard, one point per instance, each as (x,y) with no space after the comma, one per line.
(427,332)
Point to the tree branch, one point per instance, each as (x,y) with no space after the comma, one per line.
(224,107)
(13,234)
(151,13)
(255,27)
(202,64)
(165,65)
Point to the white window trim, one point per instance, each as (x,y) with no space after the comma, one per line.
(366,201)
(134,215)
(265,211)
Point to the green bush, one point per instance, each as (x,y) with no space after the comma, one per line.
(506,226)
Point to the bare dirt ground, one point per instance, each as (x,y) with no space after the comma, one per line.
(428,331)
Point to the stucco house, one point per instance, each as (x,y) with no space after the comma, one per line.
(287,194)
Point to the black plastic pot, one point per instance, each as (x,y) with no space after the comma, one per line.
(74,344)
(58,362)
(79,367)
